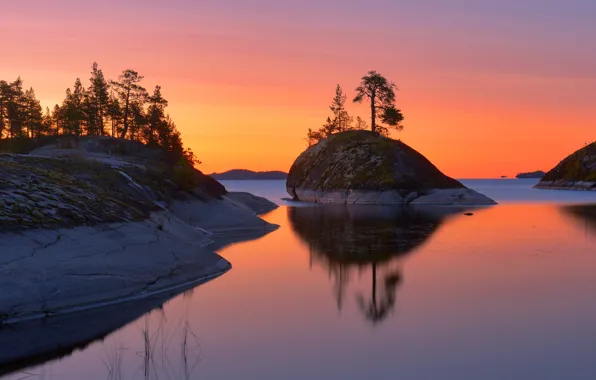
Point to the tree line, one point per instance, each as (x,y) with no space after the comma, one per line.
(120,108)
(379,92)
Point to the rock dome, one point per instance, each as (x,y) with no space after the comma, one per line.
(363,167)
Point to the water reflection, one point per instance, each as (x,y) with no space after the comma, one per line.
(351,238)
(584,214)
(28,344)
(32,343)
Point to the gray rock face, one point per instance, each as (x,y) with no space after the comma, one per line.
(257,204)
(364,168)
(80,234)
(45,272)
(567,185)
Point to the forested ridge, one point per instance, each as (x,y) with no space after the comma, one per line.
(120,108)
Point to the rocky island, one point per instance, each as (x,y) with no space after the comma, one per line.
(105,220)
(576,172)
(362,167)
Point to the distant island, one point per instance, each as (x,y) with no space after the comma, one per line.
(243,174)
(537,174)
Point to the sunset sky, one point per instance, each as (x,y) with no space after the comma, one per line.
(488,88)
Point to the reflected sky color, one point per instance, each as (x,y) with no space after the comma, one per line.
(506,293)
(510,83)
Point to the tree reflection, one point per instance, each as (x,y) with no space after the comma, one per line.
(376,311)
(585,214)
(355,238)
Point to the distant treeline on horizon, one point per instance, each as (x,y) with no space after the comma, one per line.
(119,108)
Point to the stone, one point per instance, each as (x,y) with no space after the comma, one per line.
(364,168)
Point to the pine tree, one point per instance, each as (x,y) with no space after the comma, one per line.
(87,112)
(98,100)
(342,119)
(47,124)
(115,114)
(72,111)
(14,109)
(129,92)
(381,94)
(155,115)
(4,96)
(58,119)
(32,114)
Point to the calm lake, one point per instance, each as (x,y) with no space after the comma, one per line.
(361,293)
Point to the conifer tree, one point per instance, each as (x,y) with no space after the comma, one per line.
(342,119)
(381,94)
(98,100)
(129,91)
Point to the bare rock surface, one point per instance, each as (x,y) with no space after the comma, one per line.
(364,168)
(46,272)
(87,230)
(257,204)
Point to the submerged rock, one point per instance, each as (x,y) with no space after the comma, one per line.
(362,167)
(576,172)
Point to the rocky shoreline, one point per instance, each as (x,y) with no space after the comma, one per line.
(85,232)
(567,185)
(438,197)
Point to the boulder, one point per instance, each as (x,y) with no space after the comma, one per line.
(364,168)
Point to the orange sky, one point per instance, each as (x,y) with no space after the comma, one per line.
(486,90)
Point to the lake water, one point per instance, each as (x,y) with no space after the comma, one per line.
(364,293)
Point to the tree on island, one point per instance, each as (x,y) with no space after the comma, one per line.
(342,121)
(381,94)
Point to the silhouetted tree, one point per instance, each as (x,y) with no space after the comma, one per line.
(32,114)
(129,110)
(97,100)
(381,94)
(14,107)
(114,112)
(313,137)
(138,121)
(72,112)
(47,124)
(155,115)
(342,120)
(129,91)
(58,119)
(4,96)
